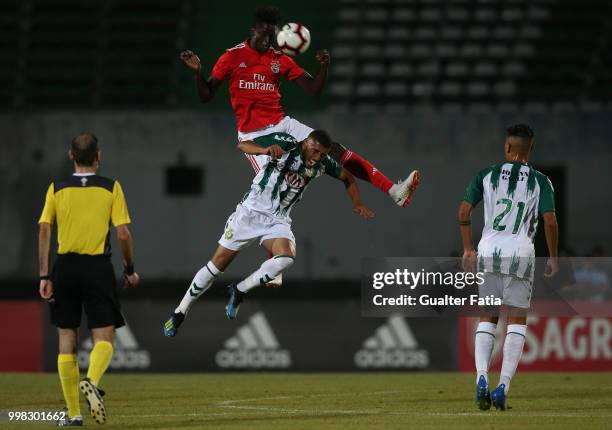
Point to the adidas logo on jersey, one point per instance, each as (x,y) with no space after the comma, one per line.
(392,346)
(242,65)
(126,355)
(253,346)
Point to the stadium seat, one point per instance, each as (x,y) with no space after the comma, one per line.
(97,54)
(496,53)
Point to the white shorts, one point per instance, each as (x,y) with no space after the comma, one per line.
(245,226)
(286,125)
(513,291)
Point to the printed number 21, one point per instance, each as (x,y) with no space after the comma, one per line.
(517,223)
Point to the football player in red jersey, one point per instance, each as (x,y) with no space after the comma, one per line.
(254,70)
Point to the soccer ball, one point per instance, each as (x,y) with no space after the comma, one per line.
(293,39)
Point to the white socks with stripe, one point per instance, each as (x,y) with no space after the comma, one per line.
(483,348)
(201,282)
(513,349)
(269,270)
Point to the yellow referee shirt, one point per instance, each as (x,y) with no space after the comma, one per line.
(83,207)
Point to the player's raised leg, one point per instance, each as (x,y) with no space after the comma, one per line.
(283,251)
(201,282)
(401,192)
(68,370)
(513,349)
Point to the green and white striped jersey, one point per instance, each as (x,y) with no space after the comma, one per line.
(280,183)
(513,194)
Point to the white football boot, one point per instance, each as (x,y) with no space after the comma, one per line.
(402,192)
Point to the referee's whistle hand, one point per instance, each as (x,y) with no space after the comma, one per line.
(46,290)
(131,280)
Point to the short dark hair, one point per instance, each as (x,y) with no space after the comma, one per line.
(520,130)
(266,14)
(322,138)
(84,149)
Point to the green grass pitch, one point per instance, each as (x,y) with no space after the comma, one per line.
(322,401)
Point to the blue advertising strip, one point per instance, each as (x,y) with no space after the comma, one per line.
(272,335)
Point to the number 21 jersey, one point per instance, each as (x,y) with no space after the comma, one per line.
(513,194)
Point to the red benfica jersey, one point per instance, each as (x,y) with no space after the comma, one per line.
(254,81)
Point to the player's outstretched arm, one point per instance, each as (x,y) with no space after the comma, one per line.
(551,231)
(353,191)
(126,244)
(314,86)
(250,147)
(465,225)
(206,89)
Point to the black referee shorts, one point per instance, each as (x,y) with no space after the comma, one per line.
(85,281)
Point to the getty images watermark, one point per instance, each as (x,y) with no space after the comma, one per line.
(438,287)
(405,278)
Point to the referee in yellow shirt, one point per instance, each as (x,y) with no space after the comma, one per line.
(83,206)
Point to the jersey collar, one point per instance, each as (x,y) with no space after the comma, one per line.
(246,43)
(83,174)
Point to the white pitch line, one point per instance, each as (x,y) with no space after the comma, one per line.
(233,404)
(405,413)
(302,411)
(227,403)
(191,414)
(251,409)
(254,410)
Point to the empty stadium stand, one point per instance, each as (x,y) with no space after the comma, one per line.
(64,53)
(395,54)
(489,53)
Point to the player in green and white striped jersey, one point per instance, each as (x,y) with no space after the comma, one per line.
(286,168)
(514,194)
(280,182)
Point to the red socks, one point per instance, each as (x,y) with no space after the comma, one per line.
(364,170)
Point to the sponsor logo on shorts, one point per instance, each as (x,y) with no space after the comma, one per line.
(284,138)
